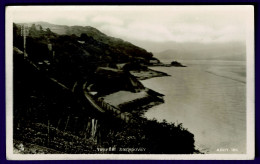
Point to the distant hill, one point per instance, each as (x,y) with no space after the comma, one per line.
(67,30)
(197,51)
(125,48)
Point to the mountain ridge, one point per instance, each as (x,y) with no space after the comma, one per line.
(217,51)
(78,30)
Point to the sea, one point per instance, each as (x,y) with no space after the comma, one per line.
(209,99)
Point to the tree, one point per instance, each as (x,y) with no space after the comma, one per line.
(48,31)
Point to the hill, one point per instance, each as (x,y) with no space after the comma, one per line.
(126,48)
(76,55)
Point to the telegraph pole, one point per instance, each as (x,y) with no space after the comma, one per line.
(24,33)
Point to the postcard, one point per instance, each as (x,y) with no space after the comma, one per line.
(130,82)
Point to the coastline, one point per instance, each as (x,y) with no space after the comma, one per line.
(93,132)
(147,74)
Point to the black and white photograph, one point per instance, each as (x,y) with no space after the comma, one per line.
(130,82)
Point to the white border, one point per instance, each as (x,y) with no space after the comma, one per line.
(250,109)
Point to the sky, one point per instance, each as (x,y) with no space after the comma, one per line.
(202,24)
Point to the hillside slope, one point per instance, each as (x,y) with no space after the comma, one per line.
(73,57)
(118,45)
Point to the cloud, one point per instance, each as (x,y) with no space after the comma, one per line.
(148,23)
(139,31)
(107,20)
(175,32)
(59,16)
(205,33)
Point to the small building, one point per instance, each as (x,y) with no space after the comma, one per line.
(81,42)
(50,47)
(140,60)
(93,93)
(154,61)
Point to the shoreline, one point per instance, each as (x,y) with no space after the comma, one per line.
(140,109)
(147,74)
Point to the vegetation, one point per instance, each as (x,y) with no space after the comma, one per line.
(49,115)
(177,64)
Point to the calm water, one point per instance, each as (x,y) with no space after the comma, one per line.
(209,98)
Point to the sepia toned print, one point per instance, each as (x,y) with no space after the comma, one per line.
(130,82)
